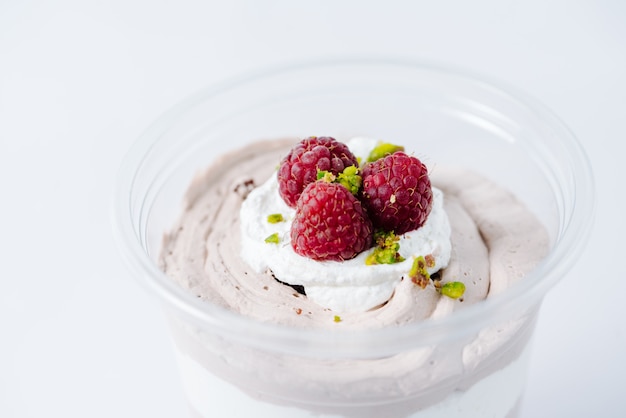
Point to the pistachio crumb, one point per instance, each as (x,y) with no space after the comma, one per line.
(273,239)
(453,290)
(383,149)
(418,273)
(386,250)
(275,218)
(326,176)
(350,179)
(337,318)
(430,260)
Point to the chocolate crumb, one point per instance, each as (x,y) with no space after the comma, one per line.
(297,287)
(244,188)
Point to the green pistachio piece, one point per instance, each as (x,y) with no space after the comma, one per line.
(275,218)
(273,239)
(386,250)
(382,149)
(326,176)
(350,179)
(453,290)
(418,273)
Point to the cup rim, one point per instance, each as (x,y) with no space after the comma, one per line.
(576,226)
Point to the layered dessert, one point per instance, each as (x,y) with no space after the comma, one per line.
(338,236)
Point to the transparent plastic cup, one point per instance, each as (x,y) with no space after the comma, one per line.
(472,363)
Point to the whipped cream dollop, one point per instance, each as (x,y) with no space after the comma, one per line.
(346,286)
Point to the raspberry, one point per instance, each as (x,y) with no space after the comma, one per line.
(396,192)
(300,166)
(330,223)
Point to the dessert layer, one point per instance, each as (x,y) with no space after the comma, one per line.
(495,241)
(495,395)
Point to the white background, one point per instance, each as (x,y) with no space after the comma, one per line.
(80,80)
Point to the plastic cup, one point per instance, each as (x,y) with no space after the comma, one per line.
(470,364)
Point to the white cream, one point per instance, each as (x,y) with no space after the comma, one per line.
(347,286)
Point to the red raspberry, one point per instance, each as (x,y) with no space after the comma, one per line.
(330,223)
(300,166)
(396,192)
